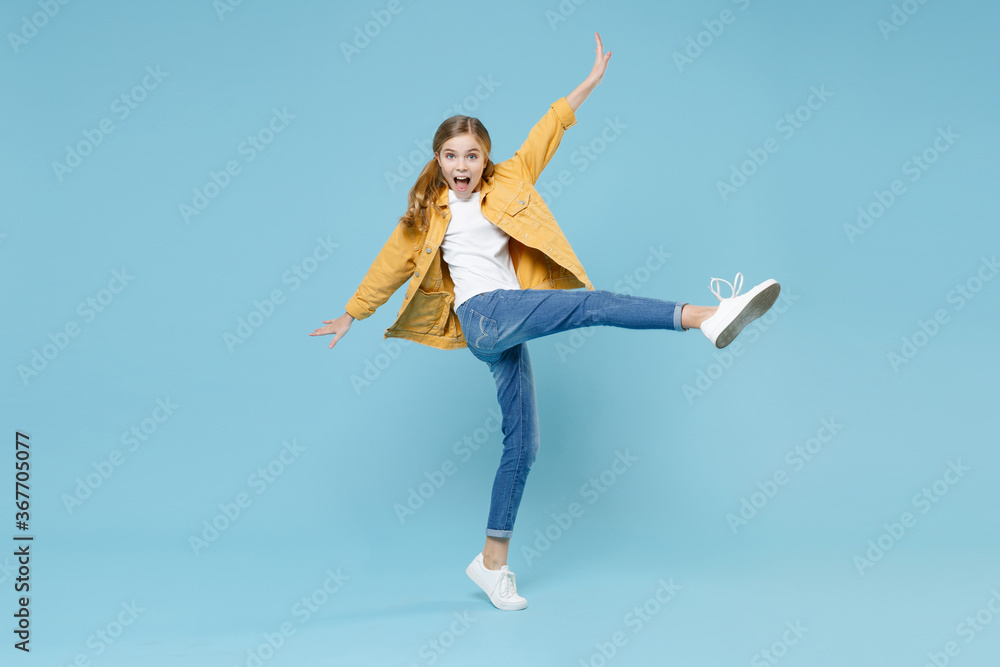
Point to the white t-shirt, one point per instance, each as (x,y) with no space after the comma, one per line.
(475,250)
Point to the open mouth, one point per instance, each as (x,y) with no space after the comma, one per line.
(462,183)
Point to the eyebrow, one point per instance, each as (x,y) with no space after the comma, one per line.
(455,150)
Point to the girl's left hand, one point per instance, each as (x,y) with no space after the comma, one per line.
(600,62)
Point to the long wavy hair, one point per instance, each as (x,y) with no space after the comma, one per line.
(425,191)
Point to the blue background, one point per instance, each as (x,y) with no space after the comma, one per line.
(365,445)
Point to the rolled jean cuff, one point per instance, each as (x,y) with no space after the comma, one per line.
(677,316)
(498,533)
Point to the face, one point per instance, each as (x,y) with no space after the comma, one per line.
(462,161)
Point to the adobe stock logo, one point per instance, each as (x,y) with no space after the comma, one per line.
(968,629)
(926,330)
(914,167)
(899,17)
(924,500)
(434,480)
(106,467)
(562,12)
(303,610)
(787,125)
(88,310)
(435,647)
(779,649)
(223,7)
(231,511)
(249,149)
(593,490)
(264,309)
(30,25)
(698,43)
(122,107)
(796,458)
(372,29)
(636,619)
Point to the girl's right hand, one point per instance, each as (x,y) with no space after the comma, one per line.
(338,327)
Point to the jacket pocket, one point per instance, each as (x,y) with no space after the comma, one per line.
(529,211)
(427,312)
(518,203)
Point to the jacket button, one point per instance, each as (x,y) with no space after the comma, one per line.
(428,250)
(519,201)
(417,274)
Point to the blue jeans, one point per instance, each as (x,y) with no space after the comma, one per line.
(496,326)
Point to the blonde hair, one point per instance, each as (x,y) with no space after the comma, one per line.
(425,191)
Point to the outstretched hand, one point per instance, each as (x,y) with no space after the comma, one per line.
(338,327)
(600,62)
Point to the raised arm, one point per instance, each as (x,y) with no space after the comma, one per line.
(543,140)
(581,92)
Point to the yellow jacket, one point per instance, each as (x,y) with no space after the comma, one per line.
(539,251)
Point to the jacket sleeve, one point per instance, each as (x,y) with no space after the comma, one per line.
(393,266)
(543,140)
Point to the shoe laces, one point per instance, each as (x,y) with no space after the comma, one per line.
(734,286)
(507,586)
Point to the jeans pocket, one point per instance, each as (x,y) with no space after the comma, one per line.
(483,331)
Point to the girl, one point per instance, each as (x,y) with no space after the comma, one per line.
(490,269)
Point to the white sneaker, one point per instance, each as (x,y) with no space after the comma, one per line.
(498,584)
(739,310)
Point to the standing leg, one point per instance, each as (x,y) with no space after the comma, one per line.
(521,437)
(516,395)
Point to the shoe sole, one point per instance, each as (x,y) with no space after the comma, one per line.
(757,307)
(471,571)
